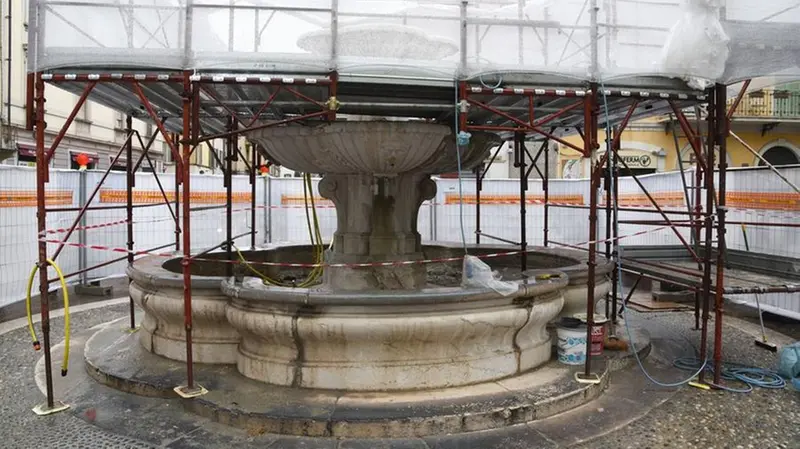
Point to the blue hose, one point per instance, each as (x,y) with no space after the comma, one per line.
(752,377)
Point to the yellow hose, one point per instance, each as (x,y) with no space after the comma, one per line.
(65,293)
(312,222)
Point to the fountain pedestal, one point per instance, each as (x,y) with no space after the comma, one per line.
(377,222)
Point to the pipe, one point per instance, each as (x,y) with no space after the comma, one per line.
(129,176)
(122,206)
(187,239)
(254,159)
(74,113)
(519,147)
(9,68)
(621,209)
(608,191)
(160,188)
(615,229)
(499,239)
(698,215)
(29,102)
(231,147)
(478,188)
(108,262)
(721,134)
(546,191)
(65,294)
(41,218)
(177,208)
(83,209)
(766,162)
(709,228)
(82,252)
(589,120)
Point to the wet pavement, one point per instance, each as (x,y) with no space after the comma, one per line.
(633,413)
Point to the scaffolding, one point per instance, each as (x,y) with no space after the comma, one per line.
(191,108)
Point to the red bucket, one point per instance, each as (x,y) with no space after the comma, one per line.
(598,332)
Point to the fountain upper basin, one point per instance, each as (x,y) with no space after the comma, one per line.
(377,147)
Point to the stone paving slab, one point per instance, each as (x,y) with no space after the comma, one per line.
(114,357)
(690,418)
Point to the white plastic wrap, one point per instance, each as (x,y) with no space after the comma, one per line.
(423,38)
(697,47)
(476,273)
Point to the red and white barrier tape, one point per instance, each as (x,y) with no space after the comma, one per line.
(341,265)
(78,228)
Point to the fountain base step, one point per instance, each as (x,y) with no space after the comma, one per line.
(115,358)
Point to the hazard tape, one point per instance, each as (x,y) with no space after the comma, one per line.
(342,265)
(79,228)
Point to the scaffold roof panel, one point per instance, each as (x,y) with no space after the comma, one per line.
(698,41)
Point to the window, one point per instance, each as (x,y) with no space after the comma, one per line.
(26,155)
(778,156)
(120,165)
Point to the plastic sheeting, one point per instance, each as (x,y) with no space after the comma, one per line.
(713,40)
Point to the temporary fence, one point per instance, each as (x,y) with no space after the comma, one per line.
(755,198)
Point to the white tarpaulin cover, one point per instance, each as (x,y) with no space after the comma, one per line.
(700,41)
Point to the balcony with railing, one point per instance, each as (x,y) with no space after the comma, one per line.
(769,104)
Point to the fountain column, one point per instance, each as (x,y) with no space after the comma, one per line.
(377,222)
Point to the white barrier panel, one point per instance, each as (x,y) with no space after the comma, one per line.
(756,196)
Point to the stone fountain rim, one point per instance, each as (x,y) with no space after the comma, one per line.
(149,271)
(253,293)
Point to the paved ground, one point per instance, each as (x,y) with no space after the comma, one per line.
(689,418)
(695,418)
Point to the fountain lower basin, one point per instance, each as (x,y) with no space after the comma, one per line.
(438,336)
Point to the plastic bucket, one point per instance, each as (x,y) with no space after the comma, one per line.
(571,346)
(598,332)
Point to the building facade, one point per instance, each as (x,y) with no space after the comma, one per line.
(768,121)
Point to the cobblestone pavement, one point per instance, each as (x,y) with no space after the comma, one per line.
(695,418)
(21,428)
(691,419)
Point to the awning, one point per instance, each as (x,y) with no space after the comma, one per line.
(27,150)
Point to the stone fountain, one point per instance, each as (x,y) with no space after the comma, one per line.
(383,327)
(387,344)
(369,327)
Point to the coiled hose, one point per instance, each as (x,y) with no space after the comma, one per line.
(65,293)
(315,236)
(751,376)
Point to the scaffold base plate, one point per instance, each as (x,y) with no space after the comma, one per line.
(187,393)
(44,410)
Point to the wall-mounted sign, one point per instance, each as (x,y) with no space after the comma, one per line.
(639,159)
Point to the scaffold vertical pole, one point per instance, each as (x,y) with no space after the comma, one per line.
(615,280)
(255,163)
(607,174)
(187,234)
(177,208)
(519,162)
(478,188)
(590,150)
(546,191)
(698,212)
(230,156)
(41,218)
(721,136)
(708,180)
(129,181)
